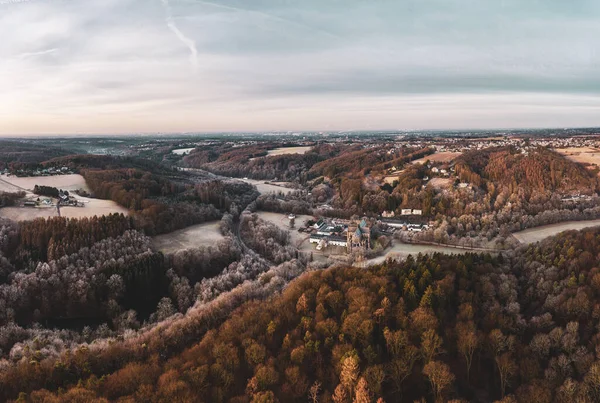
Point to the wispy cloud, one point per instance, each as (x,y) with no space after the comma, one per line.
(124,65)
(39,53)
(7,2)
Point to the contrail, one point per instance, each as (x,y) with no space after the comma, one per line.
(7,2)
(267,16)
(180,35)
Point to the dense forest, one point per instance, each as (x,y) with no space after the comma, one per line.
(15,155)
(91,311)
(162,202)
(253,161)
(518,327)
(540,170)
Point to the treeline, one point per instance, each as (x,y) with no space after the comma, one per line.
(77,162)
(45,239)
(8,199)
(266,239)
(91,286)
(48,191)
(521,327)
(539,169)
(15,155)
(253,161)
(161,204)
(284,203)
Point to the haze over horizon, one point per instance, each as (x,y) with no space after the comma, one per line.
(119,66)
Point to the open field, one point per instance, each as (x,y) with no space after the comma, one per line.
(93,207)
(402,250)
(282,221)
(288,150)
(65,182)
(183,151)
(445,156)
(440,183)
(583,155)
(537,234)
(205,234)
(266,188)
(391,178)
(7,186)
(300,239)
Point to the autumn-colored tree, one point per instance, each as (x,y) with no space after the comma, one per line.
(440,378)
(349,373)
(313,392)
(362,393)
(340,394)
(506,369)
(431,345)
(467,342)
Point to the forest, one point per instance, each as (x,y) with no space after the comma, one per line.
(516,327)
(541,170)
(162,202)
(15,155)
(90,311)
(253,161)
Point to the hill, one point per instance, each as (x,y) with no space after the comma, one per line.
(520,327)
(540,169)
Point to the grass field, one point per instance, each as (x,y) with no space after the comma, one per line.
(266,188)
(440,183)
(65,182)
(533,235)
(288,150)
(93,207)
(282,221)
(183,151)
(583,155)
(445,156)
(205,234)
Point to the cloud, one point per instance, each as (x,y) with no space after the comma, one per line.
(170,21)
(110,65)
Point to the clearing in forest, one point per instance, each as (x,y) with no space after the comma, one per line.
(205,234)
(445,156)
(582,155)
(288,150)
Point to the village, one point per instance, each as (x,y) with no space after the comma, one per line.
(357,235)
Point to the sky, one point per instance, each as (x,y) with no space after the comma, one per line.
(147,66)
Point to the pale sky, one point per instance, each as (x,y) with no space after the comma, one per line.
(121,66)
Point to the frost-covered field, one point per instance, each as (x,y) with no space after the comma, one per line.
(445,156)
(65,182)
(183,151)
(205,234)
(288,150)
(536,234)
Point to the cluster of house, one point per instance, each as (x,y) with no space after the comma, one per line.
(50,171)
(403,225)
(442,171)
(576,197)
(404,212)
(64,199)
(353,235)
